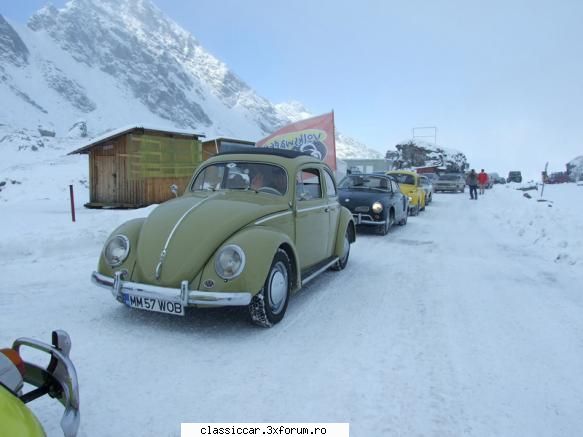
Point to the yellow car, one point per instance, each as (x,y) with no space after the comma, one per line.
(410,185)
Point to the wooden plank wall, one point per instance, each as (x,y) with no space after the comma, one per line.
(103,162)
(115,182)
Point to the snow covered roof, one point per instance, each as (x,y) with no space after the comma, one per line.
(129,129)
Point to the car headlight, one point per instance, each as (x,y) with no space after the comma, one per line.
(410,199)
(116,250)
(377,207)
(230,261)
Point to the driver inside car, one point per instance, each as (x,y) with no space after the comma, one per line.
(268,178)
(257,180)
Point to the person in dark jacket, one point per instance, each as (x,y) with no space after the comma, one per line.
(472,181)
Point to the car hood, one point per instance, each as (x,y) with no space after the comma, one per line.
(408,188)
(179,236)
(360,198)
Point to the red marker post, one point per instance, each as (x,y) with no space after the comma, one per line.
(72,202)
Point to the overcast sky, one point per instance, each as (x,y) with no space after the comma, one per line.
(501,80)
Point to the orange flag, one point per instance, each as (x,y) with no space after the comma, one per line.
(313,135)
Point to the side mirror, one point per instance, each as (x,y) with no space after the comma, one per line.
(174,189)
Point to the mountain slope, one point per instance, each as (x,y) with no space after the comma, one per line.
(142,68)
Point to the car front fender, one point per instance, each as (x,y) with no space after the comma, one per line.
(346,223)
(131,229)
(260,244)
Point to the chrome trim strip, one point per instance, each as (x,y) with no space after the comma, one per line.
(366,219)
(182,295)
(158,270)
(281,214)
(317,272)
(312,208)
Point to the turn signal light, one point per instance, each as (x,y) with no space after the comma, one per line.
(15,358)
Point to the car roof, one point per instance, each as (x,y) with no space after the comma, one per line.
(286,153)
(403,172)
(284,160)
(375,175)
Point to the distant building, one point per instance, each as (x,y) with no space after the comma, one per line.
(368,165)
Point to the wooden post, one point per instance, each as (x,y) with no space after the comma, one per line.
(72,202)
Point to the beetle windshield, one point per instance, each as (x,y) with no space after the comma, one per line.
(404,178)
(266,178)
(365,182)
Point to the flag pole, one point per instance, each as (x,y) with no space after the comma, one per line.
(334,135)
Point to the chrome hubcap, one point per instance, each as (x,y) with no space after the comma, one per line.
(277,287)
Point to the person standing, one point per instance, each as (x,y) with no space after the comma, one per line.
(472,181)
(482,180)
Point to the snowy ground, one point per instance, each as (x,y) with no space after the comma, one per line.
(467,321)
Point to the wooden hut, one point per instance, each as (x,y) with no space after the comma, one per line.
(135,166)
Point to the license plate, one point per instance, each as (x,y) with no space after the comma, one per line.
(154,304)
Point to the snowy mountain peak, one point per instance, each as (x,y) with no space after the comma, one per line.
(112,62)
(294,110)
(12,48)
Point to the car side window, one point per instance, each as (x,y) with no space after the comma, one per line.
(330,186)
(395,187)
(308,184)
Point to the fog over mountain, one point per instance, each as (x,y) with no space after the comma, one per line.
(113,63)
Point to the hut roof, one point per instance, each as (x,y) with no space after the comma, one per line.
(109,135)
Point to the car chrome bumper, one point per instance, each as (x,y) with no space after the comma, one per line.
(448,188)
(182,295)
(366,219)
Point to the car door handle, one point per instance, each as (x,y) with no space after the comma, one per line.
(326,209)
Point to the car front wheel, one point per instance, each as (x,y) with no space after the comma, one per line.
(269,305)
(384,229)
(343,260)
(415,210)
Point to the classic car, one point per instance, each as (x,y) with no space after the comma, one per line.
(251,229)
(559,177)
(493,178)
(410,186)
(374,200)
(427,185)
(57,380)
(455,182)
(514,176)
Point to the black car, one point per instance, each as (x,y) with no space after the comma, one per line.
(514,176)
(374,200)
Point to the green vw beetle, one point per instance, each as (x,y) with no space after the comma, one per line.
(251,228)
